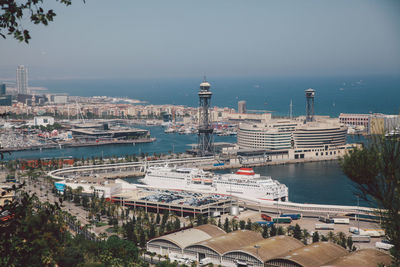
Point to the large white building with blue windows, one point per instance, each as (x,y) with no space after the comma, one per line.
(282,134)
(270,135)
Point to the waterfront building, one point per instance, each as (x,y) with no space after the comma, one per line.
(246,117)
(285,134)
(242,106)
(43,121)
(22,80)
(319,135)
(273,135)
(354,119)
(209,244)
(282,140)
(109,134)
(383,124)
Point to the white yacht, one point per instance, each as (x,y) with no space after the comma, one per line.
(244,183)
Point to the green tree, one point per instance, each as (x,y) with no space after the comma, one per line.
(315,237)
(350,244)
(280,231)
(324,238)
(226,226)
(199,219)
(305,236)
(265,233)
(169,226)
(158,218)
(165,217)
(273,230)
(142,239)
(248,224)
(242,224)
(71,256)
(341,238)
(116,251)
(177,224)
(152,232)
(35,234)
(297,232)
(375,170)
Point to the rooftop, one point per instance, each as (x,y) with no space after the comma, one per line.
(272,247)
(315,254)
(191,236)
(231,241)
(364,258)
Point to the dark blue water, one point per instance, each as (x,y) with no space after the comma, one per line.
(165,143)
(315,182)
(358,94)
(321,182)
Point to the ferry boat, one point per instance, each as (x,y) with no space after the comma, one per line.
(245,183)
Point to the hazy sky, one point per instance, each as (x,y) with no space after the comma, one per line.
(188,38)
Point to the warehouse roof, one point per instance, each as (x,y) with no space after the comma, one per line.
(271,247)
(315,254)
(192,235)
(364,258)
(232,241)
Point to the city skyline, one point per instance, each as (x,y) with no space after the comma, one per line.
(188,39)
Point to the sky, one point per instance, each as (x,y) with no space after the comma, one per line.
(230,38)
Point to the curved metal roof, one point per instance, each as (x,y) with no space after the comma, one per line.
(364,258)
(314,255)
(271,247)
(192,235)
(231,241)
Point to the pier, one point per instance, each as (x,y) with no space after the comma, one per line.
(119,170)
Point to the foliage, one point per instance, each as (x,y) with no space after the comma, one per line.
(248,224)
(280,231)
(34,234)
(39,235)
(375,170)
(297,232)
(13,13)
(273,230)
(265,232)
(315,237)
(242,224)
(226,226)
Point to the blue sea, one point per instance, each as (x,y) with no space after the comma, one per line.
(320,182)
(334,95)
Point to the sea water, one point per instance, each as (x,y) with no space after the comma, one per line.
(318,182)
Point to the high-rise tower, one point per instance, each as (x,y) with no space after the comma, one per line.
(242,106)
(205,144)
(22,80)
(310,93)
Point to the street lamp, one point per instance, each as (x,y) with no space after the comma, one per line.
(358,213)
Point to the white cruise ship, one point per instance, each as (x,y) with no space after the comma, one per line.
(243,184)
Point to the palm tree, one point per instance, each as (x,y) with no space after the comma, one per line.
(306,235)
